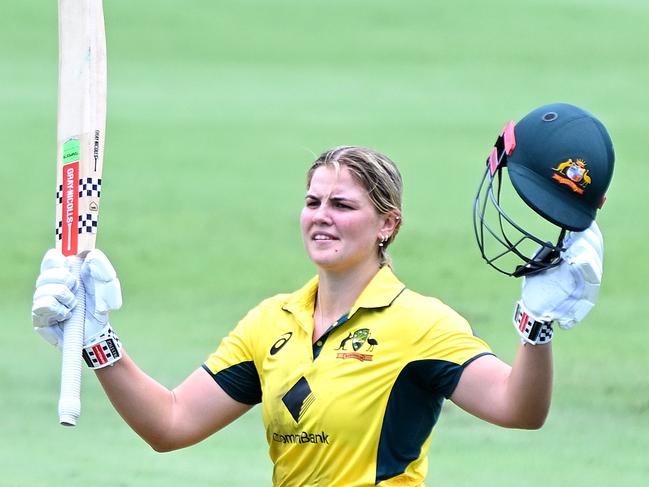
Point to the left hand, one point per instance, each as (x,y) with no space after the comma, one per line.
(568,292)
(54,297)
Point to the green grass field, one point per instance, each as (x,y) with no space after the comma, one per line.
(216,110)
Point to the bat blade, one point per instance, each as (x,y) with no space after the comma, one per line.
(81,125)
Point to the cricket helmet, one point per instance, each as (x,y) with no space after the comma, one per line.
(559,160)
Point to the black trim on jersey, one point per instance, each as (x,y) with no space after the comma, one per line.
(453,385)
(412,410)
(318,348)
(472,359)
(240,382)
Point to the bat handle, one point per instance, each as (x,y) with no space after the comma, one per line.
(70,396)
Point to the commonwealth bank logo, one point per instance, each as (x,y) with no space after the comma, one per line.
(298,399)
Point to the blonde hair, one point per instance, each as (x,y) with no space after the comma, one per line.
(375,172)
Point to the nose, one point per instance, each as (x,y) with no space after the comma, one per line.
(321,215)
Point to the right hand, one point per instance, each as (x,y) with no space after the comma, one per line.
(55,299)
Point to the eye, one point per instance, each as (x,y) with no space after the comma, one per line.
(342,206)
(311,203)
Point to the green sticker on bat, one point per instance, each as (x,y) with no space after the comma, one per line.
(71,150)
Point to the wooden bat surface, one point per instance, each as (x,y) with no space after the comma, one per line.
(81,124)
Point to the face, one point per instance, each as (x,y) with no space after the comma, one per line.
(340,226)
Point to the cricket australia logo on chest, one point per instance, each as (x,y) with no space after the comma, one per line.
(357,342)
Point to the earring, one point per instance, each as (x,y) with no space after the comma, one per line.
(384,238)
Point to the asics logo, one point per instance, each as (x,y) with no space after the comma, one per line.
(277,346)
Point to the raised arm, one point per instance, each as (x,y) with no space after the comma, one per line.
(519,396)
(166,419)
(514,397)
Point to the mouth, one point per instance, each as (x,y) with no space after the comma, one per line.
(322,237)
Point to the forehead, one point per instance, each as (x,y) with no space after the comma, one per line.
(327,181)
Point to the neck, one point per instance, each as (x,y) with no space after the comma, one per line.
(337,293)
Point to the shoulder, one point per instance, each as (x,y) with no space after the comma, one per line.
(256,327)
(436,330)
(267,308)
(275,302)
(425,308)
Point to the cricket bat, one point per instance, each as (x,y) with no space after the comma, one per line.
(81,124)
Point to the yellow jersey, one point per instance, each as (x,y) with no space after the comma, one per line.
(356,408)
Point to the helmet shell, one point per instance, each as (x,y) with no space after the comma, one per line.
(562,164)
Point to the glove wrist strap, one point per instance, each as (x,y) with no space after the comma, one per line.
(103,349)
(531,330)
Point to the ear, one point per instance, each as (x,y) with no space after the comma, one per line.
(389,223)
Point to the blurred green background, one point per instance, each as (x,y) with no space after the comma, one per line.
(215,111)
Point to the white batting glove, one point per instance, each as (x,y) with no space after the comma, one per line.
(103,290)
(54,297)
(565,293)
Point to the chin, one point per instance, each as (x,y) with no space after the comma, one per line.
(325,260)
(337,263)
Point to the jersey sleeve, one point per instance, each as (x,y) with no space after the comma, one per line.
(232,364)
(452,346)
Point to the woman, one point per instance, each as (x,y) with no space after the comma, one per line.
(351,370)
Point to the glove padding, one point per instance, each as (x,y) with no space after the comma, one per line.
(55,298)
(567,293)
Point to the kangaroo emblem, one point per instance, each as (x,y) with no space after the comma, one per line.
(344,342)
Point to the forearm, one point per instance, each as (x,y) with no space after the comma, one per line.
(529,386)
(146,405)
